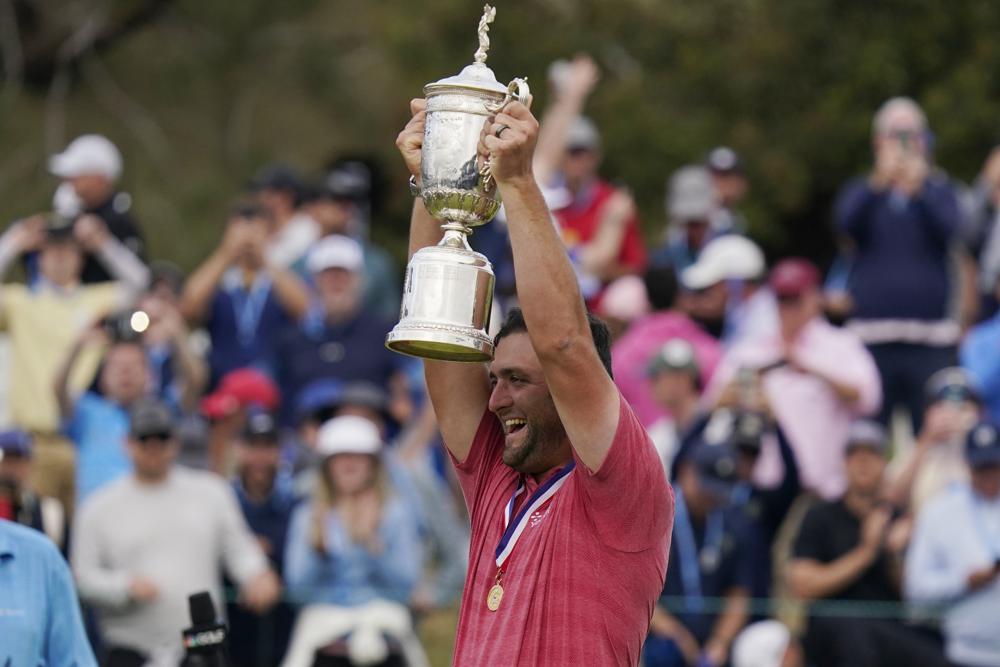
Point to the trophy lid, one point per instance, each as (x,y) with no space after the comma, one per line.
(476,76)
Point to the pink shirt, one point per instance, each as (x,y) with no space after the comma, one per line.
(813,418)
(632,352)
(580,585)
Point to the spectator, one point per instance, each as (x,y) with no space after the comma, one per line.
(767,644)
(980,354)
(343,205)
(243,298)
(43,322)
(902,220)
(18,502)
(316,404)
(355,544)
(41,622)
(90,168)
(624,301)
(815,378)
(726,292)
(850,549)
(985,232)
(691,205)
(339,338)
(278,189)
(227,407)
(145,542)
(707,563)
(937,460)
(599,222)
(267,500)
(632,352)
(179,374)
(954,559)
(675,381)
(763,508)
(731,188)
(98,421)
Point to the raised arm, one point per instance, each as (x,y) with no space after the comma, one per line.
(121,263)
(584,394)
(458,391)
(202,284)
(570,90)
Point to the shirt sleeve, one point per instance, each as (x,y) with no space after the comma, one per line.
(931,573)
(484,457)
(810,542)
(400,562)
(99,585)
(303,566)
(241,553)
(853,209)
(628,498)
(66,642)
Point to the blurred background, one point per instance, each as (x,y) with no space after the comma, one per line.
(198,95)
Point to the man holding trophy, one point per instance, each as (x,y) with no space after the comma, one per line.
(570,508)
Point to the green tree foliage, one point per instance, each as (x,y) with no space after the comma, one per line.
(198,94)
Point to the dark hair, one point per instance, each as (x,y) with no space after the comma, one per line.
(514,323)
(661,287)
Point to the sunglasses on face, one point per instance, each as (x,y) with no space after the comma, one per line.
(159,439)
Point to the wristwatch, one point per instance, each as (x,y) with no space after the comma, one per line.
(414,186)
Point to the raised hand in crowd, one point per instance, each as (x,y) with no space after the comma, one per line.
(141,589)
(261,592)
(26,235)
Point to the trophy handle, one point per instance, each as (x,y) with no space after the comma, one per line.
(516,90)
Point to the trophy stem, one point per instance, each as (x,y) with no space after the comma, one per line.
(456,235)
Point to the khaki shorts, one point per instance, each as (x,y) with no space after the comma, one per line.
(53,469)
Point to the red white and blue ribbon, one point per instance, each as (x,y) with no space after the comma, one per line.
(513,529)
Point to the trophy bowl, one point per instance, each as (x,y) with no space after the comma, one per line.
(448,289)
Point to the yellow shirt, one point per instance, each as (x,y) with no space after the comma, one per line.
(43,325)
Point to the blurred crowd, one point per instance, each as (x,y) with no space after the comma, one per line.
(242,429)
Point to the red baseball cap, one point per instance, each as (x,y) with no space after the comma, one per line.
(793,277)
(239,389)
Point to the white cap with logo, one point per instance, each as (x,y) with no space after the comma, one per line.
(349,434)
(88,154)
(729,257)
(336,252)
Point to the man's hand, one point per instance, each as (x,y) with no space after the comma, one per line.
(873,531)
(888,162)
(261,592)
(664,625)
(510,154)
(981,578)
(581,75)
(27,235)
(236,241)
(411,140)
(141,589)
(913,173)
(91,232)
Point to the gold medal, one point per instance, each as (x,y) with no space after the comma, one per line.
(494,597)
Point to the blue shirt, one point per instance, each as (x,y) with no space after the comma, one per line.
(244,326)
(40,621)
(980,355)
(270,519)
(99,427)
(346,573)
(348,351)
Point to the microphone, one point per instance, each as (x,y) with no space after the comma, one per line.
(205,640)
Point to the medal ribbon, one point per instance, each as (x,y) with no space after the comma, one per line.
(513,529)
(687,549)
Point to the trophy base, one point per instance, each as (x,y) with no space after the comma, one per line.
(440,342)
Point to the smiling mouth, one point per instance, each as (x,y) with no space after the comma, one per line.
(513,425)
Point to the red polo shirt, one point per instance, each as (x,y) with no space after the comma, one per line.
(580,585)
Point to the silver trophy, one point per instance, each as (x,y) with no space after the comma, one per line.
(448,291)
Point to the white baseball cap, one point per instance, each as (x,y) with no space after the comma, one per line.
(336,252)
(88,154)
(729,257)
(349,434)
(762,644)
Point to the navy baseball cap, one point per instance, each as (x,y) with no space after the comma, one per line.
(868,434)
(952,384)
(716,466)
(982,445)
(15,443)
(318,395)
